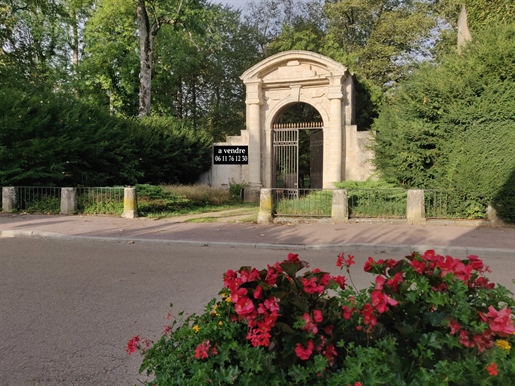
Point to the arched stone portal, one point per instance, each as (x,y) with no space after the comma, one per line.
(286,79)
(301,76)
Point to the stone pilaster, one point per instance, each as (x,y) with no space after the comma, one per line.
(68,200)
(340,207)
(130,203)
(8,199)
(254,102)
(416,212)
(265,206)
(334,140)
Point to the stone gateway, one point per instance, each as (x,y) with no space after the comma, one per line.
(300,128)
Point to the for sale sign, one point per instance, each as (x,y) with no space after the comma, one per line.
(230,155)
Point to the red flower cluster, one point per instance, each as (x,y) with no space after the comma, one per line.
(304,352)
(204,349)
(133,344)
(379,266)
(315,284)
(342,261)
(492,369)
(430,262)
(500,322)
(261,314)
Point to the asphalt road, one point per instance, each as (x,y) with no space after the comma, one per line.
(68,308)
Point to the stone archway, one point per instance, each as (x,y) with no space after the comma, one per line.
(286,79)
(291,77)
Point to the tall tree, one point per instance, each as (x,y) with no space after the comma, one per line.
(197,78)
(151,16)
(378,39)
(108,72)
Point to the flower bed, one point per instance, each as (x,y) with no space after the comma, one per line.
(425,320)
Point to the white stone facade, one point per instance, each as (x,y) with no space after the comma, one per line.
(292,77)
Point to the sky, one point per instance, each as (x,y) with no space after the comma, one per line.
(235,3)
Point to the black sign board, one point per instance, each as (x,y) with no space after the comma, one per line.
(230,155)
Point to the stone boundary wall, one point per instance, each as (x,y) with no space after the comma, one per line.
(415,211)
(69,201)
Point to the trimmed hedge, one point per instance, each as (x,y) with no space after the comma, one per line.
(452,126)
(49,139)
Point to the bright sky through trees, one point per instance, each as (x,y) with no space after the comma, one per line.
(234,3)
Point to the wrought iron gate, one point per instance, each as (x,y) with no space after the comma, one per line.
(286,157)
(285,144)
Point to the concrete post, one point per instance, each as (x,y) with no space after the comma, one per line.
(8,199)
(416,212)
(265,206)
(68,200)
(492,216)
(130,203)
(340,207)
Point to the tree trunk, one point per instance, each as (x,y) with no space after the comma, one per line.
(145,75)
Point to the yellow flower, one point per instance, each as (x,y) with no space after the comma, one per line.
(196,328)
(502,344)
(220,323)
(228,299)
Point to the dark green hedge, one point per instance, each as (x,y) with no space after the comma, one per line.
(452,125)
(55,140)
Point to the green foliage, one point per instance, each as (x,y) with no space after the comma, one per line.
(51,140)
(374,198)
(181,153)
(100,200)
(453,126)
(107,76)
(426,319)
(48,139)
(482,14)
(152,199)
(236,188)
(303,203)
(166,201)
(376,38)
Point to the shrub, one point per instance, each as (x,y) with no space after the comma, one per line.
(452,126)
(49,139)
(152,199)
(202,195)
(425,320)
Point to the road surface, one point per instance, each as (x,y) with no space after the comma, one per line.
(68,307)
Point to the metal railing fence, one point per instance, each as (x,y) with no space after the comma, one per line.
(302,202)
(449,204)
(38,199)
(96,200)
(378,203)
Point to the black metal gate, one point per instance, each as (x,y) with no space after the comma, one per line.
(289,140)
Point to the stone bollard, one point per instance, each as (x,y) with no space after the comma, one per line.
(416,212)
(265,206)
(340,206)
(130,203)
(492,216)
(68,200)
(8,199)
